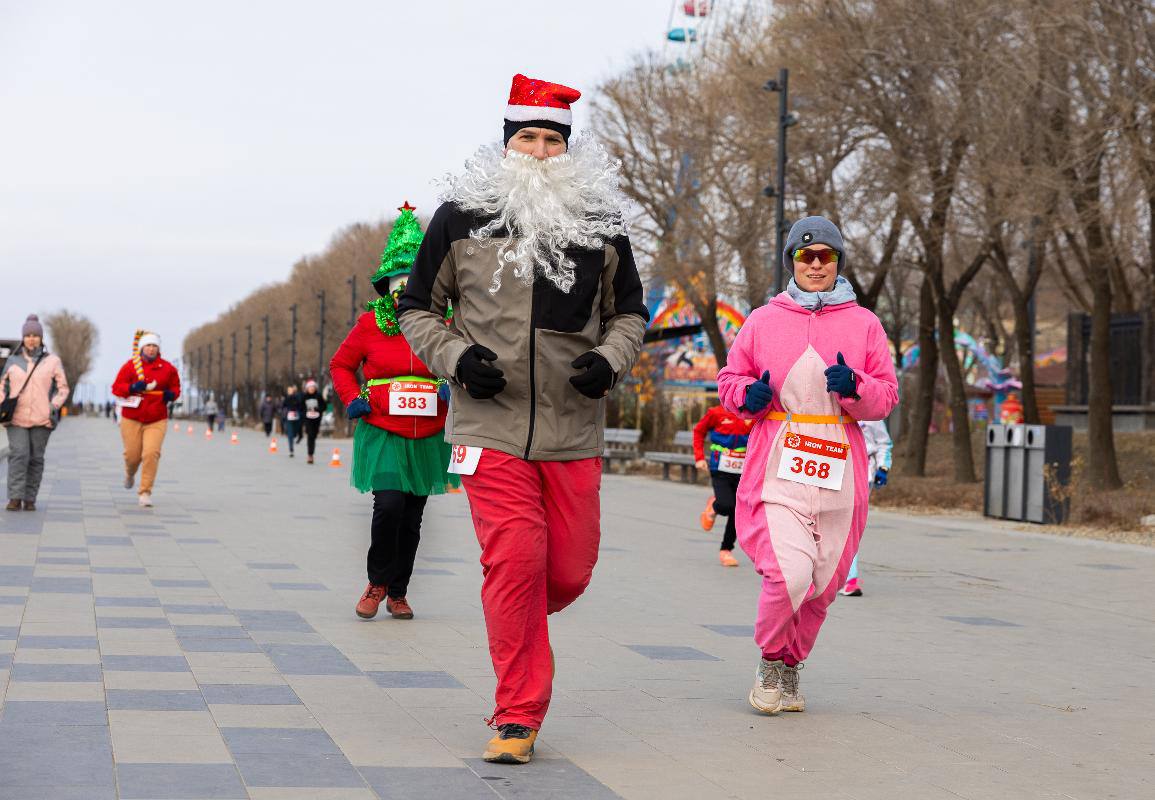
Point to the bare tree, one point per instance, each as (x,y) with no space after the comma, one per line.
(74,338)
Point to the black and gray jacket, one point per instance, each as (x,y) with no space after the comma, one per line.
(536,331)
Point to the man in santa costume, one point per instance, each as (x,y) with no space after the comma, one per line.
(530,248)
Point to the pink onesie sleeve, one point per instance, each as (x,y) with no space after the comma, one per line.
(877,386)
(740,371)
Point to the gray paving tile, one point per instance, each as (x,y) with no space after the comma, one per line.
(53,585)
(198,540)
(108,541)
(57,673)
(5,660)
(308,771)
(195,608)
(75,560)
(127,602)
(284,741)
(12,600)
(16,575)
(299,587)
(58,642)
(1106,566)
(58,792)
(743,631)
(663,652)
(118,571)
(989,621)
(270,565)
(415,679)
(426,783)
(180,782)
(154,700)
(144,663)
(256,620)
(447,560)
(249,694)
(192,645)
(56,758)
(43,549)
(555,778)
(210,631)
(177,583)
(307,659)
(47,712)
(131,622)
(432,571)
(9,634)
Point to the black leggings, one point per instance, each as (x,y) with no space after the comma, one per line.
(312,428)
(725,497)
(396,533)
(268,427)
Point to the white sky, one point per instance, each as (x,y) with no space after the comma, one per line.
(158,160)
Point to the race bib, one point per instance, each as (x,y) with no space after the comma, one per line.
(413,399)
(133,401)
(463,460)
(292,416)
(312,414)
(814,462)
(732,462)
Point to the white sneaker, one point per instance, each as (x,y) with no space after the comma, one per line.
(766,696)
(792,699)
(145,500)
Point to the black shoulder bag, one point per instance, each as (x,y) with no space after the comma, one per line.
(8,405)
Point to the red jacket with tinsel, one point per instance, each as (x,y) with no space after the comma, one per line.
(381,356)
(725,429)
(152,406)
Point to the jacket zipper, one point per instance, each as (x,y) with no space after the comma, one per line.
(532,378)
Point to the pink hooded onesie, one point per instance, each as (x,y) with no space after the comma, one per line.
(802,538)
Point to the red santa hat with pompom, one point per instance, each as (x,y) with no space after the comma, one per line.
(535,103)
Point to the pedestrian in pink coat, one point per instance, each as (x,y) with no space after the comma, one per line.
(807,366)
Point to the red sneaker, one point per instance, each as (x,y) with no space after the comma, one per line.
(370,601)
(707,517)
(399,608)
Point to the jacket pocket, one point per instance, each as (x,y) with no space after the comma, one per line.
(570,312)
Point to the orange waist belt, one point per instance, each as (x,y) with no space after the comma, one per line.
(817,419)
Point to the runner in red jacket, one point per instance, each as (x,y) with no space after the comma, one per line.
(144,387)
(728,434)
(399,452)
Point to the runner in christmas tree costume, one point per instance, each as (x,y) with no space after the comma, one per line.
(399,452)
(530,247)
(807,366)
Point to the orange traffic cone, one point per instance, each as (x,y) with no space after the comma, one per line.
(233,439)
(273,445)
(189,430)
(335,461)
(208,433)
(176,427)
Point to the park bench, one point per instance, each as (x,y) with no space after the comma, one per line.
(621,444)
(683,457)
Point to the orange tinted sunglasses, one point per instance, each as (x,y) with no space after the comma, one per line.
(806,256)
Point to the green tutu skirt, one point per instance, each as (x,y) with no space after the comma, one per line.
(385,461)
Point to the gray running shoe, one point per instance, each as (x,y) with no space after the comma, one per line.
(766,696)
(792,699)
(129,480)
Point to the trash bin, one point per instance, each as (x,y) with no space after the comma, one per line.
(1015,436)
(995,483)
(1047,450)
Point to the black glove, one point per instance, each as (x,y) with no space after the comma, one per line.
(138,386)
(598,378)
(758,394)
(482,380)
(358,408)
(169,395)
(841,378)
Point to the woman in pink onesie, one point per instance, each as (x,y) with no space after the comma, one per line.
(807,366)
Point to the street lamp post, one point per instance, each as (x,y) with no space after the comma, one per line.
(352,281)
(321,339)
(233,381)
(265,383)
(249,364)
(293,345)
(220,367)
(785,120)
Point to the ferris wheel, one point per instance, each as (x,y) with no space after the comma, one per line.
(687,29)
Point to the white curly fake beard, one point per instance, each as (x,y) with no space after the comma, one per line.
(571,200)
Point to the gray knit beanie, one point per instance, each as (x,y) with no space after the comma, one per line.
(32,327)
(813,230)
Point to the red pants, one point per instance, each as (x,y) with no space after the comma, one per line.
(539,524)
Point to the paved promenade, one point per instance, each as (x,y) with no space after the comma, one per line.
(207,648)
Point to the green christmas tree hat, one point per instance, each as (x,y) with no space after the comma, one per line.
(401,249)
